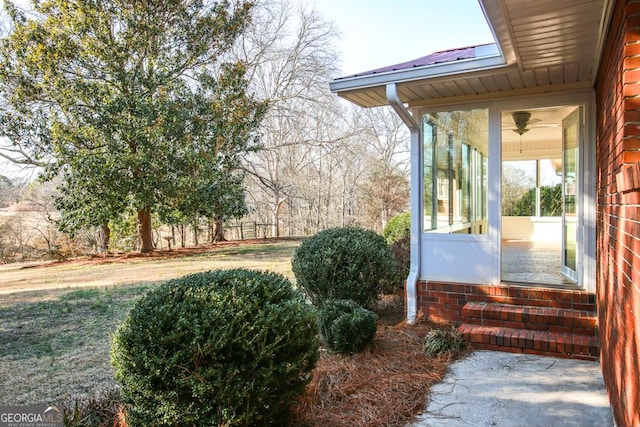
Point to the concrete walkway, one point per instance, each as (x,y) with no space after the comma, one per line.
(491,388)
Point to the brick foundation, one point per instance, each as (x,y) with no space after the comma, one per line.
(534,320)
(443,302)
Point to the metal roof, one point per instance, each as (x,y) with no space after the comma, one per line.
(431,59)
(542,46)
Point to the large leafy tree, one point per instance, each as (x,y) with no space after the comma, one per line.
(128,100)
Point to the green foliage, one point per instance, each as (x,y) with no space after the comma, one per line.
(228,347)
(515,182)
(401,250)
(398,227)
(124,231)
(128,102)
(218,195)
(398,235)
(344,263)
(526,204)
(550,202)
(444,341)
(346,327)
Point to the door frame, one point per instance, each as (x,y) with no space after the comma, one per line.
(586,236)
(574,118)
(489,246)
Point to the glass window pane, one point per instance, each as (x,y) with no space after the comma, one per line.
(430,188)
(519,188)
(456,145)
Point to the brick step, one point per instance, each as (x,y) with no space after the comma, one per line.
(545,343)
(518,295)
(538,297)
(560,320)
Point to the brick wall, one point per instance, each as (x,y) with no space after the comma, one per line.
(443,302)
(618,216)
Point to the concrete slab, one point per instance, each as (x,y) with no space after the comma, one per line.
(490,388)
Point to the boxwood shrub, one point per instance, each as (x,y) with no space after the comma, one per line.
(229,347)
(347,327)
(344,263)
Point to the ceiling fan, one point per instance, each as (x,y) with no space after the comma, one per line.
(522,121)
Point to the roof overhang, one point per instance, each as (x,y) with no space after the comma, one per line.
(542,46)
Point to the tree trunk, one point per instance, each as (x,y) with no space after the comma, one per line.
(195,232)
(104,237)
(144,220)
(218,231)
(275,216)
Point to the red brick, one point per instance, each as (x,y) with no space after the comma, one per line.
(631,62)
(544,345)
(631,157)
(631,144)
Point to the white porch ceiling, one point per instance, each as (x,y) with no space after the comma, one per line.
(546,45)
(542,141)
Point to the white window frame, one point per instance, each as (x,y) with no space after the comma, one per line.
(480,259)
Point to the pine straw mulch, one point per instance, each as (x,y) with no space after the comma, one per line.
(162,253)
(386,385)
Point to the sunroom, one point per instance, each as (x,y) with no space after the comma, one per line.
(483,118)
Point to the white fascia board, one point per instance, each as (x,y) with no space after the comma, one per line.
(498,21)
(462,66)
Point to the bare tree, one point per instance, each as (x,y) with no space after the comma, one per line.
(11,190)
(292,59)
(385,191)
(323,163)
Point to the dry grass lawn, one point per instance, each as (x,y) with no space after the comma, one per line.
(56,320)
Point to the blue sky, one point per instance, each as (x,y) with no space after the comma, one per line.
(376,33)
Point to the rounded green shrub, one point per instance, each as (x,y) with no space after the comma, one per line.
(344,263)
(398,227)
(346,326)
(229,347)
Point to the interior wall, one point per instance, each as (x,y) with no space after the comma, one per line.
(618,212)
(537,229)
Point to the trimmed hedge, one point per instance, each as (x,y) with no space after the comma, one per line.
(347,327)
(231,347)
(344,263)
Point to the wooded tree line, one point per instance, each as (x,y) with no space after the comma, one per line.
(519,195)
(183,112)
(323,163)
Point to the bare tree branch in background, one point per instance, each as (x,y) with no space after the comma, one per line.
(385,192)
(323,162)
(291,59)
